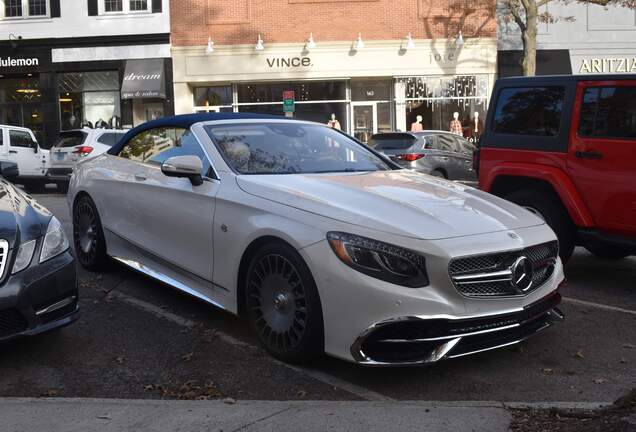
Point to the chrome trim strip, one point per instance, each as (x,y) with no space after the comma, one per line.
(4,255)
(55,306)
(545,326)
(508,327)
(135,265)
(504,275)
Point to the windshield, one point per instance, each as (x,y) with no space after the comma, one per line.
(392,141)
(291,148)
(70,139)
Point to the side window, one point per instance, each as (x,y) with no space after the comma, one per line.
(465,147)
(108,138)
(529,111)
(154,146)
(19,138)
(446,143)
(608,112)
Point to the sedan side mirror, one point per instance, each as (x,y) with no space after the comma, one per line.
(184,166)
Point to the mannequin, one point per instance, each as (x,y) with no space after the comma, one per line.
(417,125)
(476,128)
(333,122)
(456,125)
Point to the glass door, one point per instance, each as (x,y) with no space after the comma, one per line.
(364,120)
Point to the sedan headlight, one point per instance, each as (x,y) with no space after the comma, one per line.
(55,241)
(24,255)
(380,260)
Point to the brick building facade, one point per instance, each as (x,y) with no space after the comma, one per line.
(383,83)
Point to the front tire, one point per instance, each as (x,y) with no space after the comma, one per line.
(550,209)
(88,235)
(282,304)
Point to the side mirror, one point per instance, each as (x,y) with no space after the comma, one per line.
(34,145)
(184,166)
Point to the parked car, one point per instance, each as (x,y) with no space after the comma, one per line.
(564,147)
(38,287)
(437,153)
(318,241)
(19,145)
(9,170)
(75,145)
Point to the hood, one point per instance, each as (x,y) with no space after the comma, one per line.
(21,218)
(398,202)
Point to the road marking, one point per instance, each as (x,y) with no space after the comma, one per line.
(323,377)
(598,305)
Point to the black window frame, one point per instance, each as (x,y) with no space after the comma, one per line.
(557,144)
(599,89)
(33,140)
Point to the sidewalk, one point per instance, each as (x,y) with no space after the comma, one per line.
(106,415)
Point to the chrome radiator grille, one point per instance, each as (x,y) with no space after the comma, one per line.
(504,274)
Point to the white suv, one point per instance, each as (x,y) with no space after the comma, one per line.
(320,242)
(75,145)
(19,145)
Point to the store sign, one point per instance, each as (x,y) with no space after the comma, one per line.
(288,62)
(608,65)
(289,103)
(143,79)
(19,62)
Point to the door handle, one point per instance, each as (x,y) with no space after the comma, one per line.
(140,177)
(13,151)
(589,155)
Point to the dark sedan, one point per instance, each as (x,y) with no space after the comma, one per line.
(438,153)
(38,285)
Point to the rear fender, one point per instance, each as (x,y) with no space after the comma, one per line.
(559,181)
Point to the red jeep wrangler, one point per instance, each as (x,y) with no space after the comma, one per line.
(564,147)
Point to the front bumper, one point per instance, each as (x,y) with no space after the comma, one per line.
(414,341)
(39,298)
(356,306)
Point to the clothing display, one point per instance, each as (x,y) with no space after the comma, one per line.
(456,127)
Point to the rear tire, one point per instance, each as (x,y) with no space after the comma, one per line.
(607,252)
(88,235)
(438,173)
(282,304)
(550,209)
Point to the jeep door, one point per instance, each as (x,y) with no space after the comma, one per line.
(602,154)
(24,150)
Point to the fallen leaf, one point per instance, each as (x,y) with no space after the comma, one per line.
(229,401)
(120,360)
(547,371)
(302,393)
(600,381)
(579,354)
(187,357)
(50,393)
(149,387)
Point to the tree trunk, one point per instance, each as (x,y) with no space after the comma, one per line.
(529,37)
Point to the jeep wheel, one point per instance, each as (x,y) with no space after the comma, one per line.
(550,209)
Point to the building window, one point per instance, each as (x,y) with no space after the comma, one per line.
(213,99)
(89,99)
(123,6)
(430,102)
(113,6)
(14,9)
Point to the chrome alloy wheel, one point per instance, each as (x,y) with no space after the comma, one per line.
(277,302)
(85,231)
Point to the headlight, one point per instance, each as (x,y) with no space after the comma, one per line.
(23,258)
(380,260)
(55,241)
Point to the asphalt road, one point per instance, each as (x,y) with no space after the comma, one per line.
(140,339)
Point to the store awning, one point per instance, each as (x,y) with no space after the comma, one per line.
(144,79)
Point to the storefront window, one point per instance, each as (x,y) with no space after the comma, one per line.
(371,90)
(431,102)
(315,100)
(20,104)
(89,99)
(213,98)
